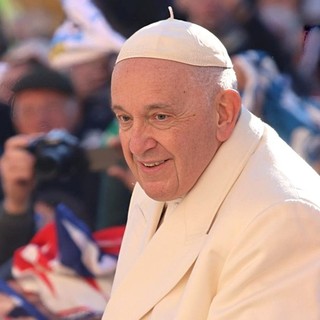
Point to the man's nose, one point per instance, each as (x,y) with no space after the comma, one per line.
(142,139)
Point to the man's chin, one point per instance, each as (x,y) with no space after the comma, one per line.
(156,192)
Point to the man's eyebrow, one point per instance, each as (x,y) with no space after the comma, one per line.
(151,107)
(157,106)
(115,108)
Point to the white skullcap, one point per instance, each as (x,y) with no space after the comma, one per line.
(176,40)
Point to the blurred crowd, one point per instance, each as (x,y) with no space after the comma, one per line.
(56,60)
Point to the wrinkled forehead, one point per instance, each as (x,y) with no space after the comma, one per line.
(146,82)
(146,72)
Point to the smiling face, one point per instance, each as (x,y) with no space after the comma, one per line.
(168,124)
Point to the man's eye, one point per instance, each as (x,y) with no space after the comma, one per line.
(123,118)
(161,117)
(124,121)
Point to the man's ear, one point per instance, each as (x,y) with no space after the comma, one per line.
(228,109)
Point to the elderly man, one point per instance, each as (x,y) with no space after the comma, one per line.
(224,221)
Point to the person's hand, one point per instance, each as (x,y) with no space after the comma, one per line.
(17,174)
(6,305)
(124,174)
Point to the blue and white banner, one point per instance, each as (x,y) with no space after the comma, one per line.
(83,35)
(268,94)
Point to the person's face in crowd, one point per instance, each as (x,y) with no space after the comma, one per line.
(39,111)
(170,128)
(88,77)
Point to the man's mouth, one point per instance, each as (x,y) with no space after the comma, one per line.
(153,164)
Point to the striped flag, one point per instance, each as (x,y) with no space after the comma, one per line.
(70,268)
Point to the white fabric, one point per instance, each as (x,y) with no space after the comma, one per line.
(179,41)
(243,244)
(83,36)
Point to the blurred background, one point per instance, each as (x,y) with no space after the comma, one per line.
(56,61)
(276,26)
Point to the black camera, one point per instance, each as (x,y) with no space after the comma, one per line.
(58,156)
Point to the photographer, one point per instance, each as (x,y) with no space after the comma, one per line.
(43,100)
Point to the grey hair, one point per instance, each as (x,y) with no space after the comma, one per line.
(214,79)
(219,78)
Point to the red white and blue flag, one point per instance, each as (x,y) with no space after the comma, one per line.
(70,268)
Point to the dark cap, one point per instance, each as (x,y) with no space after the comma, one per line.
(41,77)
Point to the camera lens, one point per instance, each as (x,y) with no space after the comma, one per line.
(53,161)
(58,156)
